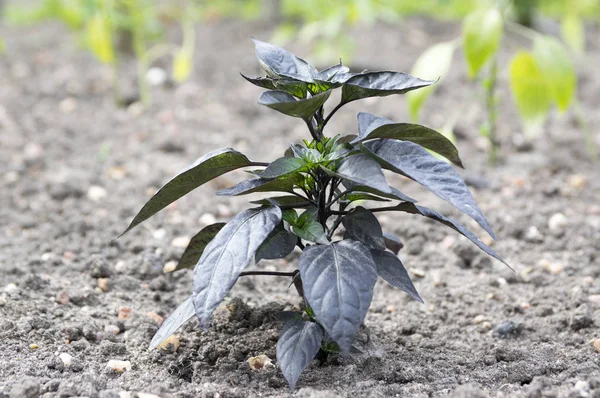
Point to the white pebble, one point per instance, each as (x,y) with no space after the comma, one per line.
(533,235)
(557,223)
(207,219)
(159,233)
(119,366)
(66,359)
(156,76)
(11,288)
(181,242)
(96,193)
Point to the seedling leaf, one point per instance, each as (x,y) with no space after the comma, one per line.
(299,342)
(197,244)
(391,270)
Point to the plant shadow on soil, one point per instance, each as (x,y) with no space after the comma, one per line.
(75,169)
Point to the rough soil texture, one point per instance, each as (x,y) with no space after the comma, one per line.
(75,169)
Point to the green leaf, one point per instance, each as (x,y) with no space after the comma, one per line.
(209,166)
(283,166)
(356,196)
(394,193)
(380,84)
(308,228)
(572,31)
(288,105)
(482,33)
(371,126)
(281,184)
(434,63)
(182,65)
(264,82)
(530,91)
(194,249)
(557,69)
(99,38)
(224,258)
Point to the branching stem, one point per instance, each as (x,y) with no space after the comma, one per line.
(333,111)
(268,273)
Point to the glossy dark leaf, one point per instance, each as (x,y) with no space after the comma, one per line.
(227,255)
(264,82)
(194,249)
(338,282)
(178,318)
(209,166)
(391,270)
(380,84)
(414,162)
(329,73)
(288,105)
(278,62)
(392,242)
(371,126)
(278,244)
(361,170)
(363,226)
(394,193)
(288,200)
(282,166)
(458,227)
(356,196)
(281,184)
(293,87)
(298,344)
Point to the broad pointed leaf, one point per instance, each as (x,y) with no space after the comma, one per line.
(287,200)
(288,105)
(557,69)
(482,32)
(392,242)
(283,166)
(178,318)
(356,196)
(371,126)
(227,255)
(281,184)
(363,226)
(380,84)
(455,225)
(264,82)
(391,270)
(338,282)
(329,73)
(361,170)
(394,194)
(298,344)
(530,91)
(311,231)
(194,249)
(278,244)
(292,86)
(278,62)
(414,162)
(209,166)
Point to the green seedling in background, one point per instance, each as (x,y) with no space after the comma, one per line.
(317,183)
(110,29)
(540,78)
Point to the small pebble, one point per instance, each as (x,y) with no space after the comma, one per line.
(533,235)
(119,366)
(34,346)
(557,223)
(11,288)
(419,273)
(207,219)
(159,233)
(577,181)
(66,359)
(67,105)
(170,266)
(552,267)
(260,362)
(223,211)
(157,318)
(156,76)
(124,313)
(596,344)
(96,193)
(525,306)
(170,344)
(594,299)
(181,242)
(478,319)
(103,284)
(390,308)
(62,298)
(112,329)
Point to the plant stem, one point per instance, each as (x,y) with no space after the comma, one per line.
(312,130)
(333,111)
(491,111)
(268,273)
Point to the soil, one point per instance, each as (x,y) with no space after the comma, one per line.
(75,169)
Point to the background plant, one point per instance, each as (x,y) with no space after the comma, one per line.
(321,179)
(110,29)
(540,78)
